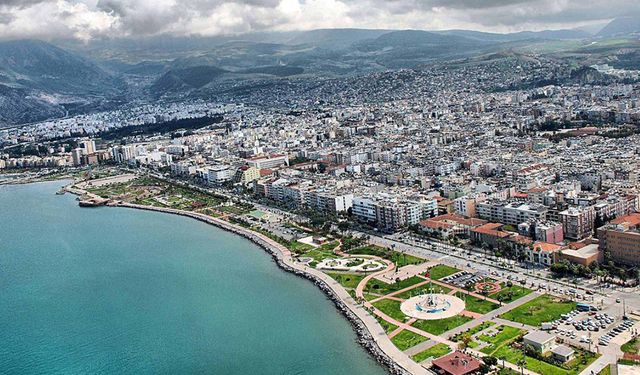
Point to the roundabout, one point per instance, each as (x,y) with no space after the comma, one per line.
(487,287)
(432,306)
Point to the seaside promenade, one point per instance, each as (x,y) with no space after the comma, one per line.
(377,336)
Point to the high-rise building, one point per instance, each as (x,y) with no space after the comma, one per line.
(76,156)
(88,146)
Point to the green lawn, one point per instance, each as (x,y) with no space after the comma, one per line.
(438,327)
(370,297)
(400,259)
(435,351)
(441,270)
(545,308)
(317,254)
(476,304)
(388,327)
(391,308)
(541,367)
(632,346)
(423,289)
(507,371)
(299,247)
(407,339)
(473,331)
(504,337)
(376,286)
(510,294)
(605,371)
(347,280)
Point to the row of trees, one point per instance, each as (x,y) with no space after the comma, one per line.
(608,271)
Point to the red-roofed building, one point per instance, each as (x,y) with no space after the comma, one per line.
(450,224)
(456,363)
(543,253)
(489,233)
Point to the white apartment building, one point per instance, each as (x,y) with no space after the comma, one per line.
(220,174)
(271,161)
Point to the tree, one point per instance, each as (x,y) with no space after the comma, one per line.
(466,339)
(521,363)
(622,274)
(343,226)
(490,360)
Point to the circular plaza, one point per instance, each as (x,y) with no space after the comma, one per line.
(432,306)
(353,264)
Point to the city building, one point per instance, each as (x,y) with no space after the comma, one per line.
(577,222)
(621,239)
(456,363)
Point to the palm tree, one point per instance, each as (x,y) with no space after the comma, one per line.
(521,363)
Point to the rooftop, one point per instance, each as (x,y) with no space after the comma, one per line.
(457,363)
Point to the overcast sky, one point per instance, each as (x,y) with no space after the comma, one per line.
(86,19)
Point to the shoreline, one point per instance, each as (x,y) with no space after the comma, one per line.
(355,314)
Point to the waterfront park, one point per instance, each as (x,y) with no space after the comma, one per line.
(426,307)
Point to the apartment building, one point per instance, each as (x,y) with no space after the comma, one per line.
(512,213)
(621,238)
(577,222)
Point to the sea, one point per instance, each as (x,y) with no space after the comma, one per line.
(123,291)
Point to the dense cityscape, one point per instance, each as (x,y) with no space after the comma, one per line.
(518,179)
(362,187)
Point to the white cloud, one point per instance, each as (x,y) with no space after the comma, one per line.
(86,19)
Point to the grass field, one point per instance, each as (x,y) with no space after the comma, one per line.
(391,308)
(435,351)
(400,259)
(438,327)
(388,327)
(347,280)
(505,336)
(476,304)
(632,347)
(423,289)
(376,286)
(507,371)
(407,339)
(541,309)
(510,294)
(371,297)
(541,367)
(605,371)
(473,331)
(441,270)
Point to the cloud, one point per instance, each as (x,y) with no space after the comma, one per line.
(86,19)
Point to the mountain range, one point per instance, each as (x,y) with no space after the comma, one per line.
(39,80)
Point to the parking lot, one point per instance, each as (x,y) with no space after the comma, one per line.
(591,329)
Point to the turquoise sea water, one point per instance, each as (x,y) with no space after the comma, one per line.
(121,291)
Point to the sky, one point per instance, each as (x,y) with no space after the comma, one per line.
(88,19)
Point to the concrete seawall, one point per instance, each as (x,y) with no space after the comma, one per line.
(370,334)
